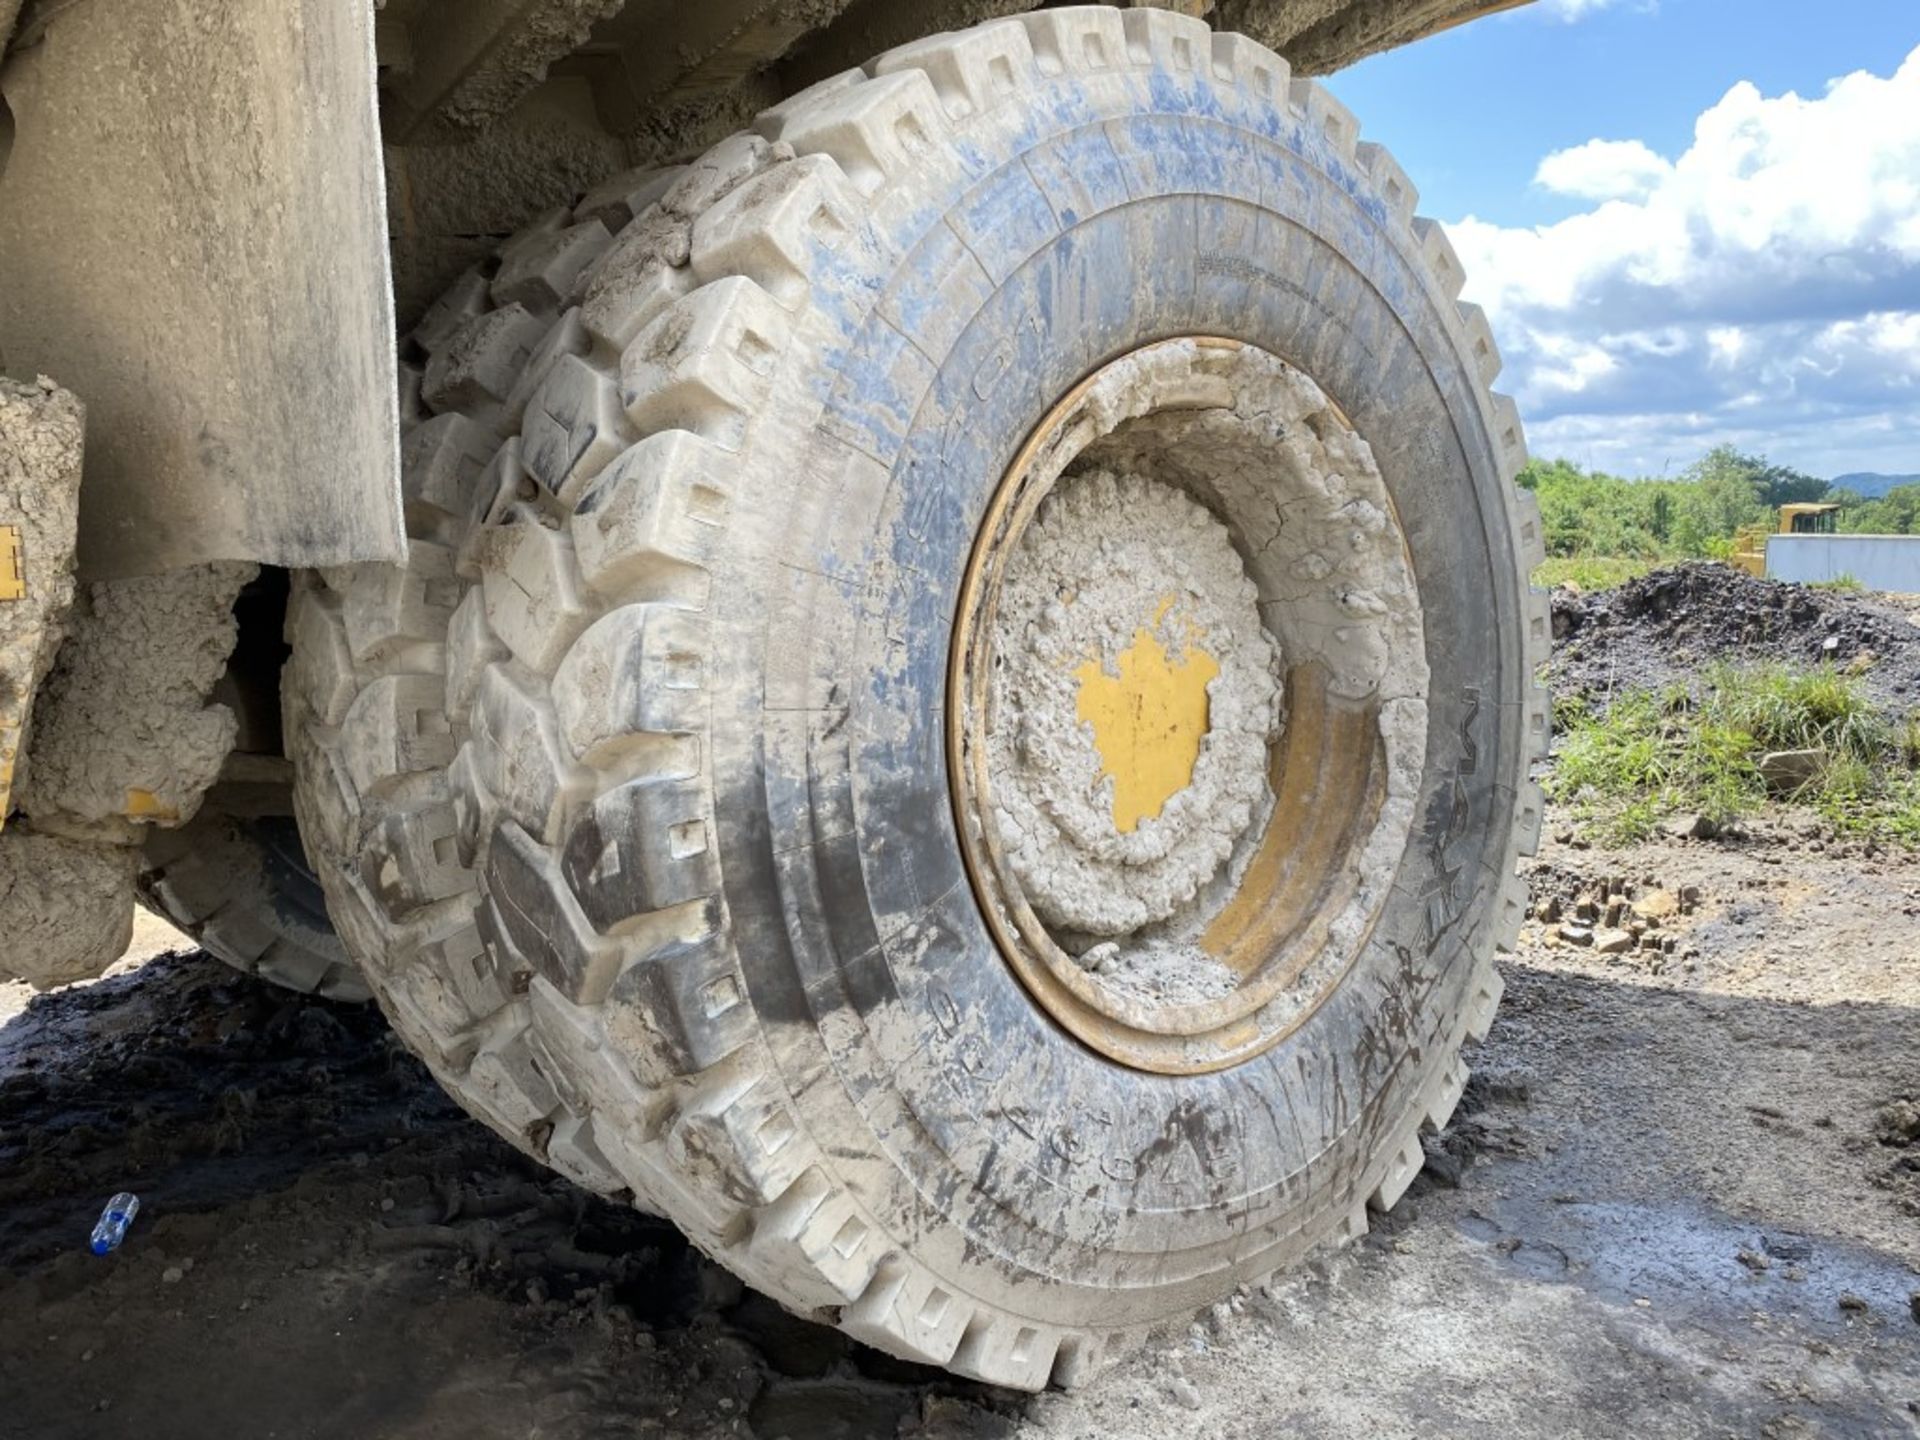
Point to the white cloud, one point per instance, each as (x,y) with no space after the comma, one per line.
(1726,344)
(1604,170)
(1767,277)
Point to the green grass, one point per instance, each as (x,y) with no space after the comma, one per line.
(1591,572)
(1656,753)
(1906,740)
(1786,707)
(1856,801)
(1842,581)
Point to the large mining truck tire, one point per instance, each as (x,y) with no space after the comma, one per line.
(236,880)
(658,795)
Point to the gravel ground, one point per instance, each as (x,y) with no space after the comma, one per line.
(1662,626)
(1681,1198)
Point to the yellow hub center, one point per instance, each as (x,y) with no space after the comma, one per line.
(1148,720)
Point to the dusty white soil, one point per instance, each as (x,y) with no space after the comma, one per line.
(1676,1201)
(1108,557)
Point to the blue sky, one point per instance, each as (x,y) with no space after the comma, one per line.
(1741,260)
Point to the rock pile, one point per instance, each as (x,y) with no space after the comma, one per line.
(1612,915)
(1665,625)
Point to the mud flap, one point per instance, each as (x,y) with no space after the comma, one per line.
(192,239)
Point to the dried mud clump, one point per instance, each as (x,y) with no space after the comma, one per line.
(1896,1126)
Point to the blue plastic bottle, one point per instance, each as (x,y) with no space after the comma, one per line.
(115,1221)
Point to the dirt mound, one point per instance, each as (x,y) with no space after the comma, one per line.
(1665,625)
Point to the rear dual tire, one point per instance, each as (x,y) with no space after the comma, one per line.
(632,793)
(236,880)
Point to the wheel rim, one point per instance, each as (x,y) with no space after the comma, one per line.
(1177,875)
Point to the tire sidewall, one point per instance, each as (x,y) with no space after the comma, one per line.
(940,1093)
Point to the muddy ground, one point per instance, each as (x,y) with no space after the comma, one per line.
(1682,1198)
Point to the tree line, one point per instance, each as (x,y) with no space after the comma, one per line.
(1591,513)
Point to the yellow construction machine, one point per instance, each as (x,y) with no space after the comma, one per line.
(1750,541)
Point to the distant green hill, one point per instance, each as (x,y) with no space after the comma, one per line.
(1871,485)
